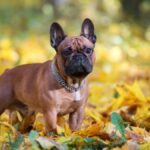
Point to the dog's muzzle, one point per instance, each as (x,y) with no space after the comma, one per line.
(78,66)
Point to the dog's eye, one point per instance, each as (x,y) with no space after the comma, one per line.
(88,50)
(67,51)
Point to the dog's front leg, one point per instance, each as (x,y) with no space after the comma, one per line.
(76,118)
(50,117)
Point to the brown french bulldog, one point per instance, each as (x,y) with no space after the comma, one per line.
(55,87)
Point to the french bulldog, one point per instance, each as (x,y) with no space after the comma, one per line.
(56,87)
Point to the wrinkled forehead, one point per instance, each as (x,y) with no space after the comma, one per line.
(76,43)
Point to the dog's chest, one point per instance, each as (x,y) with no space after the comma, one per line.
(66,102)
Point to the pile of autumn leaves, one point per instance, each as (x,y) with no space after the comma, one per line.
(123,123)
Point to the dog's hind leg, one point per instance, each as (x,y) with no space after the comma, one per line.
(1,110)
(6,97)
(27,116)
(5,104)
(6,92)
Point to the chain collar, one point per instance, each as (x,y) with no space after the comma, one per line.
(61,81)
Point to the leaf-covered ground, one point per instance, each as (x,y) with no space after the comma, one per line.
(117,115)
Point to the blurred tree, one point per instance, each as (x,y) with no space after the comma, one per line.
(132,7)
(55,4)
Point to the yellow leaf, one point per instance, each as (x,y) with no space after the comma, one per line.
(2,139)
(136,90)
(142,114)
(39,122)
(60,130)
(4,117)
(8,126)
(63,139)
(67,130)
(121,91)
(92,130)
(94,114)
(117,103)
(19,116)
(140,131)
(145,146)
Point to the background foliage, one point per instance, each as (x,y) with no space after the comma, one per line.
(120,81)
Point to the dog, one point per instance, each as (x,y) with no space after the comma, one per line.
(56,87)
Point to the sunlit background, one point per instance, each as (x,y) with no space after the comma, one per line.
(122,29)
(122,49)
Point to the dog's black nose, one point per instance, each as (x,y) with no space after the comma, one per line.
(78,66)
(78,58)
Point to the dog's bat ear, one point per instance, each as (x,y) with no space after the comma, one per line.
(56,35)
(87,30)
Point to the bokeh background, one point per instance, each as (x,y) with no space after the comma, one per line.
(122,49)
(122,29)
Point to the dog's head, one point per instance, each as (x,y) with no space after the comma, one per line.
(75,55)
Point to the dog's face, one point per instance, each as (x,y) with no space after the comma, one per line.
(75,54)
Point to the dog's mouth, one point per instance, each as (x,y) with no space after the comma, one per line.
(79,66)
